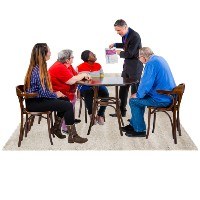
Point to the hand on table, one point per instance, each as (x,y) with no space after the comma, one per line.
(87,77)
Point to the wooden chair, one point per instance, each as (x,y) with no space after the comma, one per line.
(30,116)
(176,96)
(82,99)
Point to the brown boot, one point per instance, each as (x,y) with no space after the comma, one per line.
(56,129)
(73,136)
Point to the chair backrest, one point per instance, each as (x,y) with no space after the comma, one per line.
(22,95)
(176,96)
(177,93)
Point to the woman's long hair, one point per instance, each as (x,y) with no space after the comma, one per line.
(38,55)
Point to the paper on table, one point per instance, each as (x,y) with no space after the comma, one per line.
(111,56)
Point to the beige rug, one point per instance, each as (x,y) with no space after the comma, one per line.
(106,137)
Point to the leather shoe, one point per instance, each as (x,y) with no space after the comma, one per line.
(127,128)
(115,115)
(132,133)
(59,135)
(76,121)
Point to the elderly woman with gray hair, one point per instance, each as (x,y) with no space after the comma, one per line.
(63,77)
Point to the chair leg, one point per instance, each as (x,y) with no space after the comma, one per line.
(21,131)
(27,125)
(122,122)
(80,108)
(49,129)
(149,120)
(39,119)
(32,120)
(174,127)
(51,119)
(119,118)
(85,114)
(154,121)
(178,123)
(26,128)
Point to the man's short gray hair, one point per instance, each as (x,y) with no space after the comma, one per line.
(120,22)
(64,55)
(146,52)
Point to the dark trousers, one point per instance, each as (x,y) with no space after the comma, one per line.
(88,96)
(64,108)
(123,95)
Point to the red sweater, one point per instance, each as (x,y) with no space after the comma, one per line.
(95,69)
(59,75)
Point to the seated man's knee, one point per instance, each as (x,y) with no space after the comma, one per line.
(133,101)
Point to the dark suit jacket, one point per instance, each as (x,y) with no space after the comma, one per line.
(132,67)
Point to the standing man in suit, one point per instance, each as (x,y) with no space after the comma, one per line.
(132,67)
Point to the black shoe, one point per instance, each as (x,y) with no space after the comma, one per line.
(132,133)
(127,128)
(59,135)
(76,121)
(115,115)
(123,114)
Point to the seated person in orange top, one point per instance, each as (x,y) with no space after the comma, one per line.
(63,77)
(95,70)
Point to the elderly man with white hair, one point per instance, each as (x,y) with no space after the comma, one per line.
(156,76)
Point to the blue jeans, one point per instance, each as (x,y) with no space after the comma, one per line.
(138,108)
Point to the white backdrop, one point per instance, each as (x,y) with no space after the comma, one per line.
(170,28)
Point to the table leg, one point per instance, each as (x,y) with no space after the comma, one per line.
(118,112)
(94,108)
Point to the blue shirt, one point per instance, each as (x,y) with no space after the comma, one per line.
(125,37)
(36,86)
(156,76)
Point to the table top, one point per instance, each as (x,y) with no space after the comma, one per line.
(108,81)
